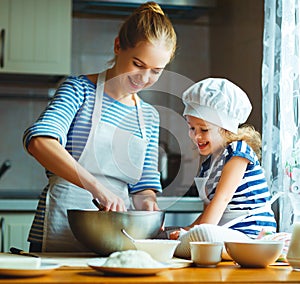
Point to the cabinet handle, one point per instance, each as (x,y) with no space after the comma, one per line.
(2,234)
(2,37)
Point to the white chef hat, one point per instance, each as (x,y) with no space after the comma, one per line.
(218,101)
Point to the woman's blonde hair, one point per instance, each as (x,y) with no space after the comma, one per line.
(148,23)
(247,133)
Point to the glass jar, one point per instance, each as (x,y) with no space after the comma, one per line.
(295,202)
(293,254)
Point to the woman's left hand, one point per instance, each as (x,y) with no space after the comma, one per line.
(145,200)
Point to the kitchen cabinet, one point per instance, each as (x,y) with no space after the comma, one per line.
(14,229)
(35,36)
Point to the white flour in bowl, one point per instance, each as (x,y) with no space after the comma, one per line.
(131,259)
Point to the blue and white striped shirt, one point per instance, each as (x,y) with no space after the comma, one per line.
(68,118)
(252,193)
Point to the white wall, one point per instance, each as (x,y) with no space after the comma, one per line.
(26,176)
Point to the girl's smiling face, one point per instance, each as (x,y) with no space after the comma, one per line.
(206,136)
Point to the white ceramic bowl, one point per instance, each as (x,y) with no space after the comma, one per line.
(160,249)
(206,254)
(254,253)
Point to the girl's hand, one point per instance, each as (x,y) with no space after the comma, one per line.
(174,235)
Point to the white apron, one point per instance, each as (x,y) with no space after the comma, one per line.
(114,165)
(231,217)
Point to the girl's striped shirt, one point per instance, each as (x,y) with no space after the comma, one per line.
(252,193)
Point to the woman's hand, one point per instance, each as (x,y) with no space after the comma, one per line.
(109,200)
(145,200)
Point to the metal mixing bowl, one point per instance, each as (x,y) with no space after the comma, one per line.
(100,231)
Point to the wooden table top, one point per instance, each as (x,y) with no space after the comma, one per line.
(225,272)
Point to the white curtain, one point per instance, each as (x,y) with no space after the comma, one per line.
(281,103)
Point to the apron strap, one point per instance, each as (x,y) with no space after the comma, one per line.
(235,221)
(252,212)
(140,116)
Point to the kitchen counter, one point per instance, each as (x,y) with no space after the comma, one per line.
(180,211)
(225,272)
(170,204)
(18,205)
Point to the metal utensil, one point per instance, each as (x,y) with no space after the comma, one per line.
(127,235)
(5,166)
(98,205)
(14,250)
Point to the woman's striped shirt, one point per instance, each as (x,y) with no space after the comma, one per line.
(252,193)
(68,119)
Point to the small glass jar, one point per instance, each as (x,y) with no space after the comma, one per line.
(294,196)
(293,254)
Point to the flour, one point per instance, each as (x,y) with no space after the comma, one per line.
(131,259)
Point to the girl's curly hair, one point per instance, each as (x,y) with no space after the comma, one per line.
(247,133)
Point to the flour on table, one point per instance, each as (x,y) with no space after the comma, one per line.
(131,259)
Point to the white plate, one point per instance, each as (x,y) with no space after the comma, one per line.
(98,265)
(45,268)
(279,263)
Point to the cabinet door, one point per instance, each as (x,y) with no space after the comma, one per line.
(16,228)
(35,36)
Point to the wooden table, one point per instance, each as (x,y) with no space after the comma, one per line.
(225,272)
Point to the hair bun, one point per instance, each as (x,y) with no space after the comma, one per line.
(151,6)
(148,23)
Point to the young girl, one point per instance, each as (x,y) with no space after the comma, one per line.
(97,138)
(231,181)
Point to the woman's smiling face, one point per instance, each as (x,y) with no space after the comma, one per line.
(140,67)
(206,136)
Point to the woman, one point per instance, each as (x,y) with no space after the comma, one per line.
(231,182)
(97,139)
